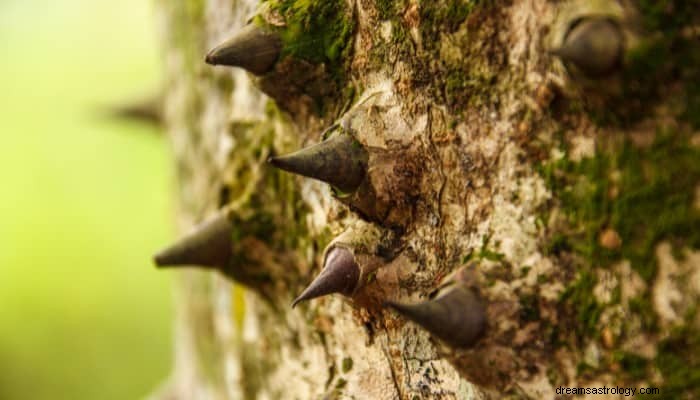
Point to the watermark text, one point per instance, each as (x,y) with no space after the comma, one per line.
(619,390)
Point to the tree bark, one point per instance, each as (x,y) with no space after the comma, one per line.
(572,198)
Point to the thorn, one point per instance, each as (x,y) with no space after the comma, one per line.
(458,317)
(252,48)
(145,109)
(594,45)
(339,161)
(208,245)
(340,274)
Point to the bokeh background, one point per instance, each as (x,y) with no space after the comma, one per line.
(84,202)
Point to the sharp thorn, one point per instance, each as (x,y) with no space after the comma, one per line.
(339,161)
(458,317)
(340,274)
(209,245)
(252,48)
(594,45)
(146,109)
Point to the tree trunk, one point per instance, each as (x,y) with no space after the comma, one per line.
(563,187)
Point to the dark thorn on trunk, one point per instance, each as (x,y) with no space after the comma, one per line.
(252,48)
(339,161)
(208,245)
(458,317)
(340,274)
(594,45)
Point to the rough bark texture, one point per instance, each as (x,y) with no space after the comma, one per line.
(576,200)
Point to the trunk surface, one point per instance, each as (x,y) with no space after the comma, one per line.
(573,200)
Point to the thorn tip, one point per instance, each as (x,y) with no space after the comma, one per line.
(338,161)
(594,45)
(457,317)
(252,48)
(340,274)
(209,245)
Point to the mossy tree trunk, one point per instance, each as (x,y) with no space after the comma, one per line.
(576,200)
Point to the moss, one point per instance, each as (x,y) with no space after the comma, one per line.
(371,277)
(351,95)
(645,195)
(260,225)
(484,253)
(558,243)
(264,210)
(463,88)
(317,37)
(346,365)
(644,309)
(340,384)
(386,8)
(292,208)
(267,204)
(584,370)
(529,308)
(524,270)
(316,30)
(401,42)
(652,199)
(667,15)
(443,16)
(554,376)
(457,42)
(633,366)
(579,298)
(678,360)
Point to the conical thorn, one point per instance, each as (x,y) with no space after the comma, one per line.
(146,109)
(340,274)
(208,245)
(458,317)
(339,161)
(594,45)
(252,48)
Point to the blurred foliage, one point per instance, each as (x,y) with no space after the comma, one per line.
(84,202)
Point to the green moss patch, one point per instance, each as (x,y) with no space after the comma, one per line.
(445,16)
(347,365)
(645,195)
(579,298)
(386,8)
(678,361)
(462,35)
(316,30)
(634,366)
(317,41)
(484,253)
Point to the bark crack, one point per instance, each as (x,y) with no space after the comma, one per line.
(386,352)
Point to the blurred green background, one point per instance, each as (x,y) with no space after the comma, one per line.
(84,203)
